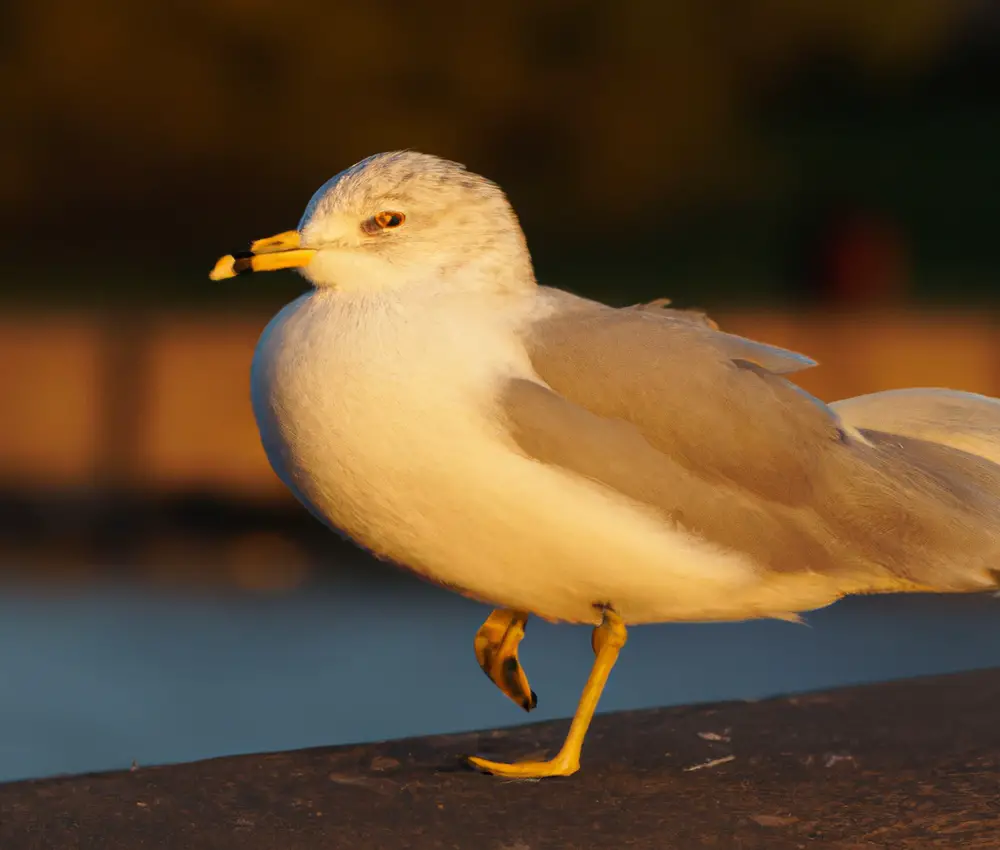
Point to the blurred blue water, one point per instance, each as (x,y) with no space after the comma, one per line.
(97,678)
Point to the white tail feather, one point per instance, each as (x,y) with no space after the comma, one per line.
(960,420)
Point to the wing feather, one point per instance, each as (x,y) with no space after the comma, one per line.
(710,400)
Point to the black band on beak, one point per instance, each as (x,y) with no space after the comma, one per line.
(243,262)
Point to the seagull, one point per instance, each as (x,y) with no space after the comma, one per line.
(554,456)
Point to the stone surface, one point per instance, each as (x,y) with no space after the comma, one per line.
(912,764)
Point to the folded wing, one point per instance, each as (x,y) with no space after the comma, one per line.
(700,427)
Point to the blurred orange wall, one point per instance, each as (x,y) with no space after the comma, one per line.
(167,406)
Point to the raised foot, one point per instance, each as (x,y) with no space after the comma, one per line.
(496,646)
(527,769)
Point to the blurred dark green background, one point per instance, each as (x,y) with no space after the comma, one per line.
(728,152)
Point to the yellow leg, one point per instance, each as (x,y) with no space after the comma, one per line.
(496,646)
(608,639)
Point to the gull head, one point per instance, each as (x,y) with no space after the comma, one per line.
(399,220)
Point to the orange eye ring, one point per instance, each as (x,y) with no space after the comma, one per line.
(388,219)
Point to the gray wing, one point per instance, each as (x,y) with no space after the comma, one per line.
(709,400)
(699,425)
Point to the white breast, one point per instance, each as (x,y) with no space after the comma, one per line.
(368,404)
(378,413)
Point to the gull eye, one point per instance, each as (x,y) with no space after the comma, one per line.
(385,220)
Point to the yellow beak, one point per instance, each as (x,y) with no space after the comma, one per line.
(265,255)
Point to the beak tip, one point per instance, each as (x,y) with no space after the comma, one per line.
(223,268)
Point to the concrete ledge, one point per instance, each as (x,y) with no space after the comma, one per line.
(913,764)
